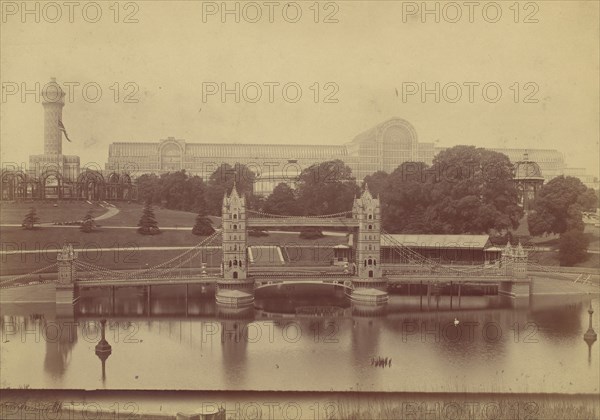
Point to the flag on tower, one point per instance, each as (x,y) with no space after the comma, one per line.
(64,130)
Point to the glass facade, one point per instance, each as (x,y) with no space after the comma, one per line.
(381,148)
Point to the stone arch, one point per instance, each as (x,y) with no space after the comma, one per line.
(113,186)
(14,185)
(51,184)
(91,185)
(125,187)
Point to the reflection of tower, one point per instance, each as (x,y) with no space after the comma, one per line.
(103,349)
(590,335)
(61,337)
(366,329)
(234,342)
(53,102)
(529,180)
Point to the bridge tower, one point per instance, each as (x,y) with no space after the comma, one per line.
(519,263)
(234,289)
(514,266)
(66,267)
(369,286)
(234,236)
(67,275)
(507,260)
(367,241)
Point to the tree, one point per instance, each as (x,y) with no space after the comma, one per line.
(148,188)
(572,247)
(377,182)
(88,224)
(222,180)
(326,188)
(203,225)
(30,219)
(147,224)
(404,199)
(281,201)
(471,191)
(559,206)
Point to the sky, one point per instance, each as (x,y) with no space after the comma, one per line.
(360,64)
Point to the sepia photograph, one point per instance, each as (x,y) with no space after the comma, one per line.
(303,210)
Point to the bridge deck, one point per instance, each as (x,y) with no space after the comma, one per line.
(262,278)
(301,222)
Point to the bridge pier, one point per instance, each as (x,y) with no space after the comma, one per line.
(235,293)
(515,288)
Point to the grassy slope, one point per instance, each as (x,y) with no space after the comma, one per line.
(551,241)
(46,240)
(129,213)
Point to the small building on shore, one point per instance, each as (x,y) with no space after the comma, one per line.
(443,249)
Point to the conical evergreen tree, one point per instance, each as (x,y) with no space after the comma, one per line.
(147,224)
(30,219)
(203,226)
(89,224)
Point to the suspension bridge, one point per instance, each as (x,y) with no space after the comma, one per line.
(365,278)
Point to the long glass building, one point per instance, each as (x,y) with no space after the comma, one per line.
(380,148)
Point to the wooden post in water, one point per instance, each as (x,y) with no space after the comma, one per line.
(421,294)
(459,286)
(148,291)
(112,299)
(187,291)
(429,295)
(451,292)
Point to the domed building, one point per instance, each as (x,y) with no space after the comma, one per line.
(529,180)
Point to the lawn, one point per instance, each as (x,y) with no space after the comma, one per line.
(551,241)
(68,211)
(125,247)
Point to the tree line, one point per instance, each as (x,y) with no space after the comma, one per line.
(466,190)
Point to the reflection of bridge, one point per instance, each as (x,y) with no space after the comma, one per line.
(364,278)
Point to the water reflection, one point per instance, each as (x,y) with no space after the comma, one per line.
(590,335)
(305,344)
(103,349)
